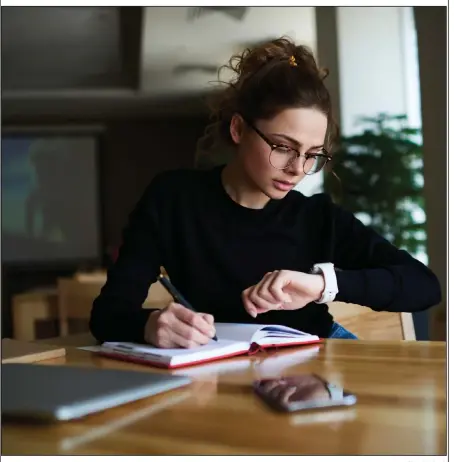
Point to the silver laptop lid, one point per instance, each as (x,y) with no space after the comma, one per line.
(68,392)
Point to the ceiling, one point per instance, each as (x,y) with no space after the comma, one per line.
(176,38)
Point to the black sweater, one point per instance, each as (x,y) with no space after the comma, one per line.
(213,249)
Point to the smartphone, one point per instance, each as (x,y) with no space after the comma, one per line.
(302,392)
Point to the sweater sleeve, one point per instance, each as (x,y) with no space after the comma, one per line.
(117,313)
(374,273)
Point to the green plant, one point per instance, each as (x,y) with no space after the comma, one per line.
(381,179)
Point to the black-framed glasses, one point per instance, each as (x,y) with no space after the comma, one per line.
(282,156)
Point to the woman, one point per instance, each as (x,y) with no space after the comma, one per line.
(238,242)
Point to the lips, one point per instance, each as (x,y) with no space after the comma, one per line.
(283,185)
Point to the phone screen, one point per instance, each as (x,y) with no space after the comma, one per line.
(307,391)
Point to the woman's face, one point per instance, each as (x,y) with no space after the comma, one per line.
(302,129)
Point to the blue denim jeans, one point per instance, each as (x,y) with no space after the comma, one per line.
(337,331)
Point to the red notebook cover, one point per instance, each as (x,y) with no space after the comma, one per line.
(254,348)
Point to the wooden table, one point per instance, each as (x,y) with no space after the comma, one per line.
(401,409)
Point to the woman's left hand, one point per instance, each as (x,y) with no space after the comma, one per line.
(283,290)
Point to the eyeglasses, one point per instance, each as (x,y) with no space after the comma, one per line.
(282,156)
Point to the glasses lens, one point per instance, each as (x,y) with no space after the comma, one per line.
(314,164)
(282,157)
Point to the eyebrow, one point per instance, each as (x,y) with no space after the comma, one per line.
(293,141)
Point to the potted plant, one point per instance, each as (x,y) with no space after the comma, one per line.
(378,175)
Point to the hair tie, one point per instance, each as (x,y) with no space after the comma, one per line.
(292,61)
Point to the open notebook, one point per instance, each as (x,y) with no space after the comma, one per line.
(234,340)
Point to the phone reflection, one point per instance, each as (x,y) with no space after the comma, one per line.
(305,391)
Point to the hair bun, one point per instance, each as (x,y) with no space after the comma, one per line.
(305,60)
(275,52)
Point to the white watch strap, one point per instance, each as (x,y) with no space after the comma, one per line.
(336,393)
(329,274)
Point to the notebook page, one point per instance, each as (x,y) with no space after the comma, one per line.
(164,352)
(175,356)
(286,340)
(280,333)
(236,331)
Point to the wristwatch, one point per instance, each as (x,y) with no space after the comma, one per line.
(336,393)
(329,274)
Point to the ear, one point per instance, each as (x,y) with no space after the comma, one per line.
(236,128)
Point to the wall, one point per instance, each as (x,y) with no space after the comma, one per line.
(169,67)
(371,68)
(133,152)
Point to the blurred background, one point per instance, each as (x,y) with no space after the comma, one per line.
(98,100)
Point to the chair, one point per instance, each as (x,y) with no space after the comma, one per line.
(75,299)
(76,296)
(35,314)
(373,325)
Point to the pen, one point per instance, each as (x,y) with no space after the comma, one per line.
(176,295)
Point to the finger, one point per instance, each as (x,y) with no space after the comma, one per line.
(166,341)
(286,394)
(250,308)
(209,318)
(180,341)
(276,287)
(186,335)
(171,340)
(271,385)
(262,291)
(277,391)
(195,320)
(262,298)
(262,305)
(165,337)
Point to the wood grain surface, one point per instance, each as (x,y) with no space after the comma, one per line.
(401,408)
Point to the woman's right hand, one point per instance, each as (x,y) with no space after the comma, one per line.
(176,326)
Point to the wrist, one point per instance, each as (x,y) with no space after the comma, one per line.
(319,286)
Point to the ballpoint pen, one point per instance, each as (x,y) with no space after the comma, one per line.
(176,295)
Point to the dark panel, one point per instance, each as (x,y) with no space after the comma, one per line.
(130,43)
(61,48)
(431,27)
(327,52)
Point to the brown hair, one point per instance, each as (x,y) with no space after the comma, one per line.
(270,77)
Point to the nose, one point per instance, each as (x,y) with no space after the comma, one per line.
(296,168)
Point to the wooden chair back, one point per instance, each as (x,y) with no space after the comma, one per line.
(373,325)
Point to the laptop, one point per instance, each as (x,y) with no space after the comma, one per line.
(68,392)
